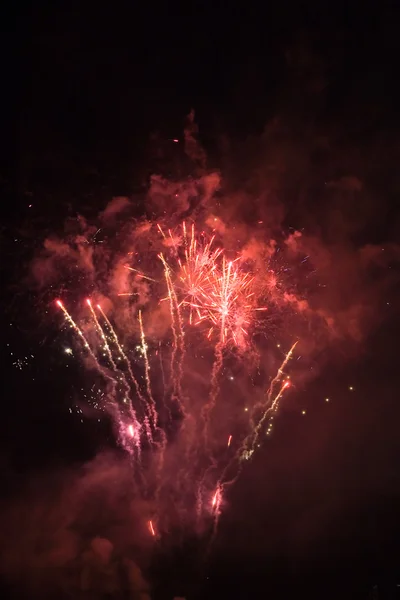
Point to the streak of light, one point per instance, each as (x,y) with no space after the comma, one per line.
(151,528)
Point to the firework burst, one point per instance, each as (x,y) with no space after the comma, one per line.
(219,298)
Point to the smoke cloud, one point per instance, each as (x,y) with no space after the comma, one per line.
(76,532)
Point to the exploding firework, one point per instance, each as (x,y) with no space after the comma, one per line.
(214,305)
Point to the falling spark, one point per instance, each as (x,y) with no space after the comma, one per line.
(216,498)
(151,527)
(139,275)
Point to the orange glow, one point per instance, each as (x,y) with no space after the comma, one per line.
(153,533)
(215,498)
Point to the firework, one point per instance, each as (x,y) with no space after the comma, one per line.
(216,303)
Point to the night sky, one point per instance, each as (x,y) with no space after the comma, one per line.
(297,108)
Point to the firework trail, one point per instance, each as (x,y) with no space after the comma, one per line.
(85,343)
(160,356)
(119,374)
(122,354)
(77,329)
(271,405)
(102,335)
(153,412)
(152,406)
(250,443)
(133,430)
(173,328)
(139,274)
(178,350)
(151,528)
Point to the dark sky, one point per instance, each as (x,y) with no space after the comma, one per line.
(98,92)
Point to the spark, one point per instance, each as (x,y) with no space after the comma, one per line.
(229,440)
(139,275)
(151,528)
(216,499)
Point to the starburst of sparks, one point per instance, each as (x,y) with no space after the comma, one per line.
(214,289)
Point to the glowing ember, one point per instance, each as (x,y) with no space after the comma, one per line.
(151,527)
(215,499)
